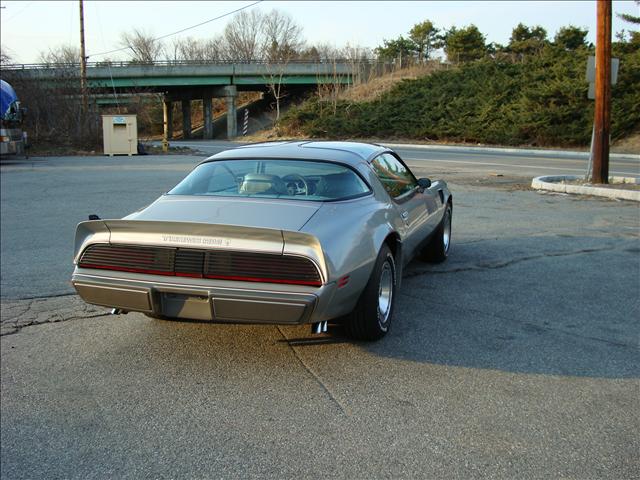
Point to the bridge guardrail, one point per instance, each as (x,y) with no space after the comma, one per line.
(170,63)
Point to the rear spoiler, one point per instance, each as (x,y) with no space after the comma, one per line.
(202,236)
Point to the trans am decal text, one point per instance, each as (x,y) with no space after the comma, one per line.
(212,242)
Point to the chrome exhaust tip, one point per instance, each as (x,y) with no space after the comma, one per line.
(319,327)
(117,311)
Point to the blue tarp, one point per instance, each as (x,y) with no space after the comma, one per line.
(8,98)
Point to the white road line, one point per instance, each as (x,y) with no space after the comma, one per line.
(518,157)
(582,161)
(488,164)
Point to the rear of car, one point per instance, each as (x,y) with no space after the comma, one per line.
(224,245)
(285,233)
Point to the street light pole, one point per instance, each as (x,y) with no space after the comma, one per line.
(602,116)
(83,63)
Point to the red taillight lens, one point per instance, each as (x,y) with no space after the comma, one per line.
(183,262)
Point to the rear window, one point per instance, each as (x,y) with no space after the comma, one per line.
(289,179)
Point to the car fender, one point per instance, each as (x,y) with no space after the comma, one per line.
(351,234)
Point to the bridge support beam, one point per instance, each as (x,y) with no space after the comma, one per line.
(167,118)
(231,94)
(207,132)
(186,119)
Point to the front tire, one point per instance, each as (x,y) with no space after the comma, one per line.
(371,318)
(437,250)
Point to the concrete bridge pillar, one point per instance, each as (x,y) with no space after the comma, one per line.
(207,132)
(186,118)
(167,118)
(231,94)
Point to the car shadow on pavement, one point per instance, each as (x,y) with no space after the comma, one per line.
(544,305)
(538,305)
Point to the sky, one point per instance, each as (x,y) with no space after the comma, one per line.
(30,27)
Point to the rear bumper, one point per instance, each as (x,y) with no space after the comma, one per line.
(201,299)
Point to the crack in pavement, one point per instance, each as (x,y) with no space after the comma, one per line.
(345,410)
(21,313)
(504,264)
(18,328)
(39,297)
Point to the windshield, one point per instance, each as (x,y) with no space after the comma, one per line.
(291,179)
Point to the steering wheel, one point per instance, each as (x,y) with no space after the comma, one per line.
(296,184)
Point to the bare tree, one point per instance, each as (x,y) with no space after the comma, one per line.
(215,48)
(61,55)
(191,49)
(143,47)
(282,41)
(5,56)
(325,52)
(243,36)
(185,49)
(172,50)
(282,37)
(358,58)
(355,53)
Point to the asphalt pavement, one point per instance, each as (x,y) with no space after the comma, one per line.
(478,159)
(517,358)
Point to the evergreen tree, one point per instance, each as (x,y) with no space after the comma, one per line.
(571,38)
(464,44)
(527,40)
(630,18)
(399,48)
(426,38)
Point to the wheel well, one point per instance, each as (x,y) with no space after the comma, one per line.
(394,243)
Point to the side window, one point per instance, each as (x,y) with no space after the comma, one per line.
(395,177)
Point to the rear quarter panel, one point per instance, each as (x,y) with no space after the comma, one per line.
(351,233)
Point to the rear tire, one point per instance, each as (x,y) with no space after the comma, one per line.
(437,250)
(371,318)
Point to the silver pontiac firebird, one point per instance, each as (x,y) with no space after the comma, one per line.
(279,233)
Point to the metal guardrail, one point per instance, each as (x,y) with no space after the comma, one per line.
(172,63)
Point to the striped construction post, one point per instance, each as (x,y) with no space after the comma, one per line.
(245,123)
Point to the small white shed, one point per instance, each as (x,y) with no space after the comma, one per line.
(120,134)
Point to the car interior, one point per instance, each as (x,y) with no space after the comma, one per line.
(304,180)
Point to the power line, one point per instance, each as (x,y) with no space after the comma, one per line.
(183,30)
(19,12)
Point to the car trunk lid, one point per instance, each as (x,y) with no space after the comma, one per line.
(248,212)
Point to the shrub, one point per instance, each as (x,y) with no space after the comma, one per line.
(539,100)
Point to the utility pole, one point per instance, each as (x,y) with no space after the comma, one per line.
(83,64)
(602,117)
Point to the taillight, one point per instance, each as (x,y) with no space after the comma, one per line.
(214,264)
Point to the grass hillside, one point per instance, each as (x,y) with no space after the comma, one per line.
(540,101)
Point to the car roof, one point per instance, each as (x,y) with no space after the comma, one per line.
(350,153)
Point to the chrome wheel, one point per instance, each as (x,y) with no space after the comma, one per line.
(373,314)
(385,292)
(446,229)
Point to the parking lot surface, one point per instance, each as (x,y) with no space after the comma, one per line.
(518,357)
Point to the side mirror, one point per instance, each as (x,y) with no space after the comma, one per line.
(424,182)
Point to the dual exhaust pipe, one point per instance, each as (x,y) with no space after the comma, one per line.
(319,327)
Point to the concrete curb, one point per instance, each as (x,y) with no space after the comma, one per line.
(555,183)
(516,151)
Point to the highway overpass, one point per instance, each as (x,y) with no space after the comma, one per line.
(187,81)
